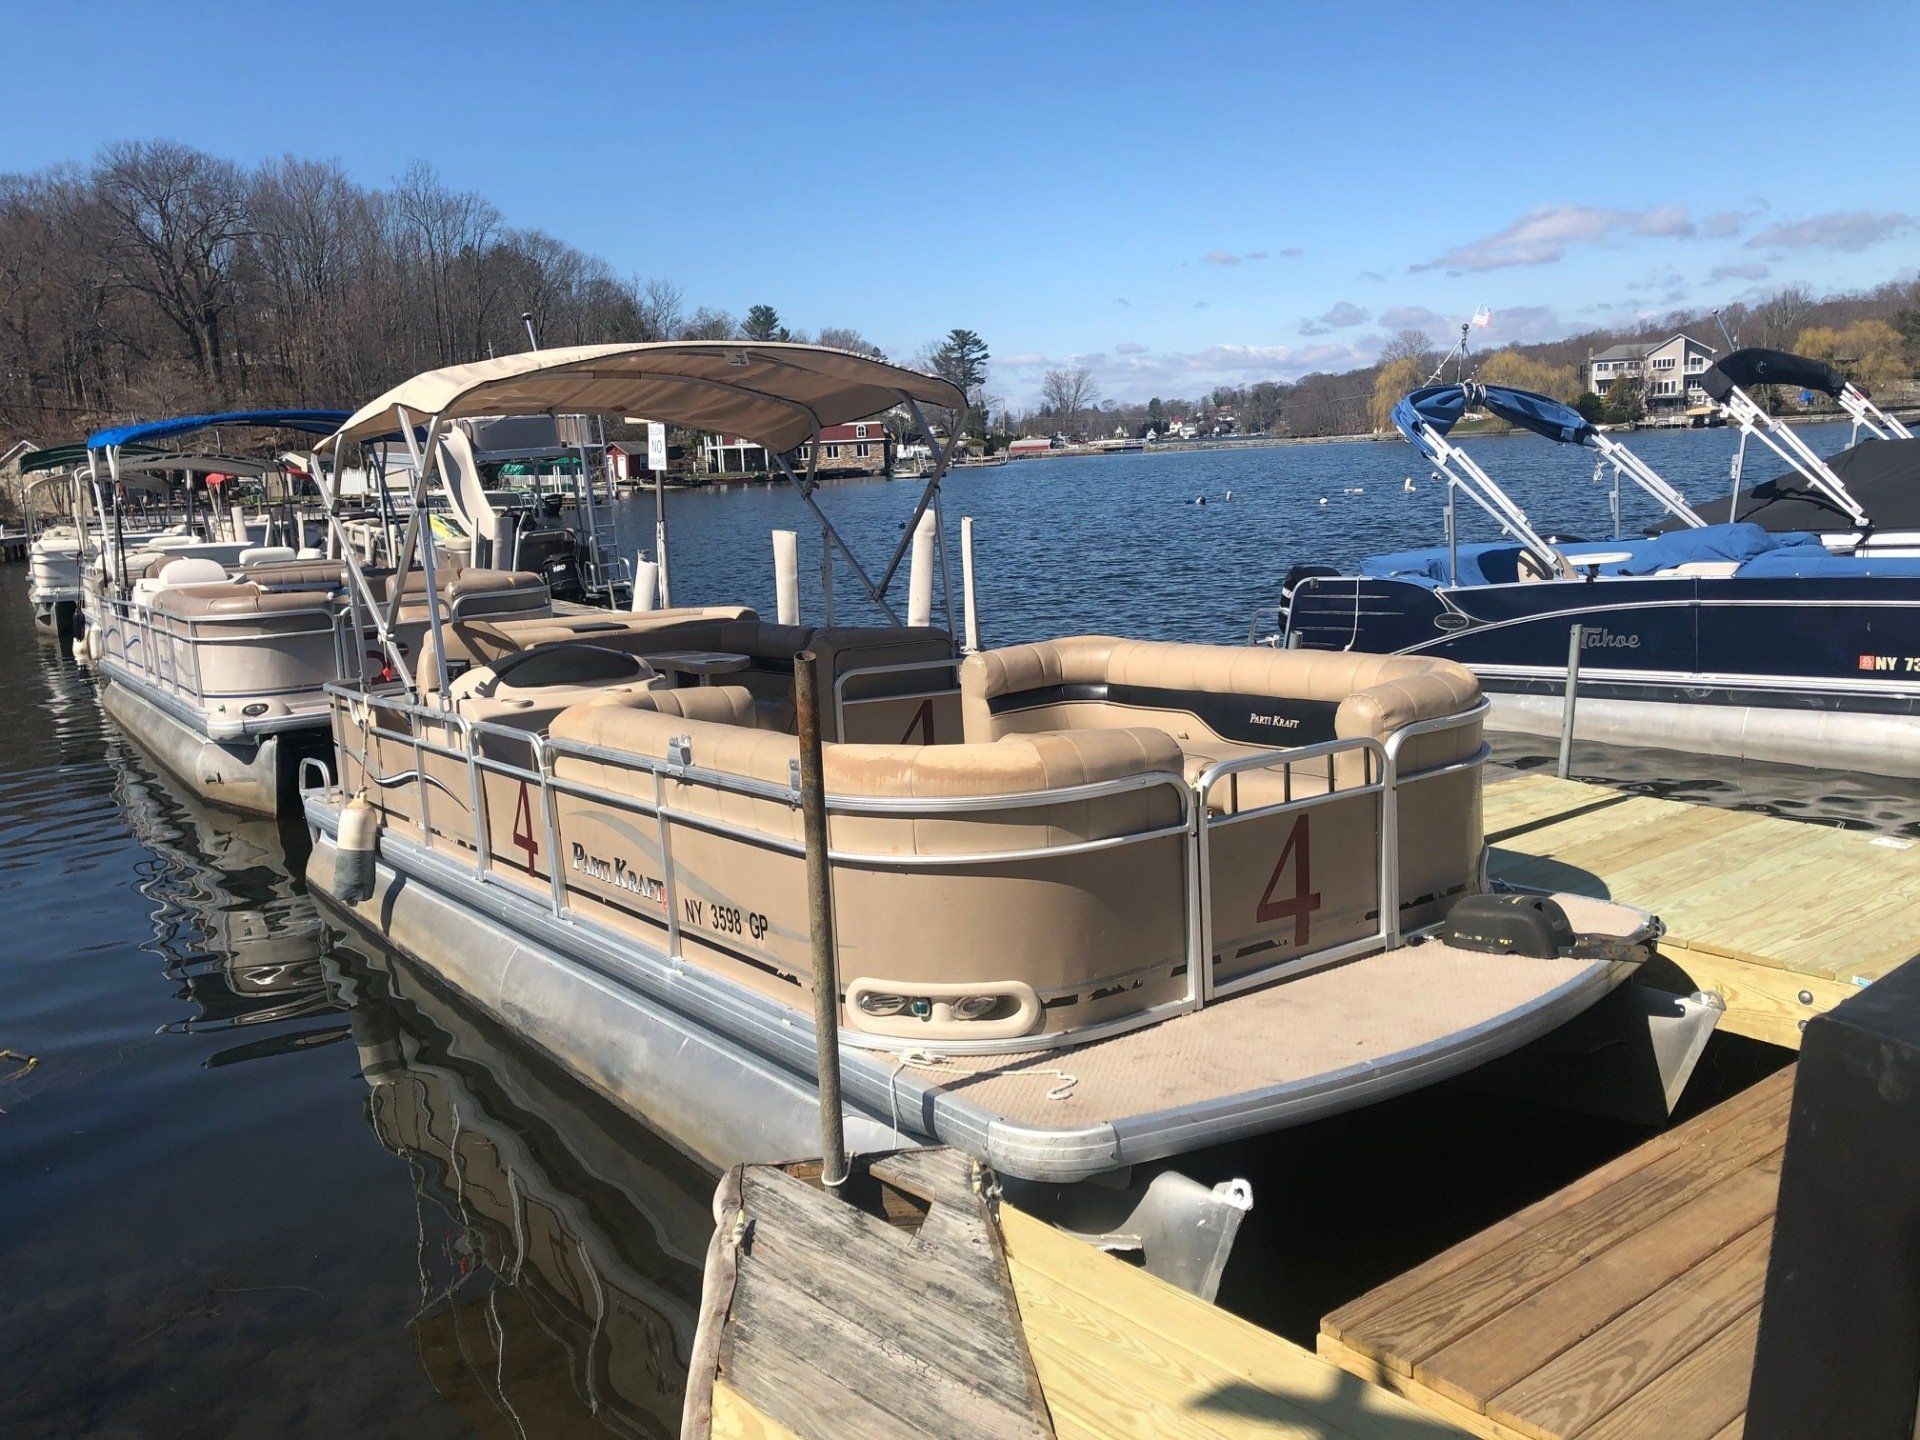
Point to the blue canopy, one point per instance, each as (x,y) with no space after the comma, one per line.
(314,422)
(1441,406)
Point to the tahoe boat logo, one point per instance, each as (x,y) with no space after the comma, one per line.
(1603,639)
(617,873)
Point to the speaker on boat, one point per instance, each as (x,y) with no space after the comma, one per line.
(1532,925)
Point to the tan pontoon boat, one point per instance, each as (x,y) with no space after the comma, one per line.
(214,654)
(1098,901)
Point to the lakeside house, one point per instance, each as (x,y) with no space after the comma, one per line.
(861,447)
(1669,372)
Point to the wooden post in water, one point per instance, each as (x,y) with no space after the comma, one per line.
(826,970)
(1573,694)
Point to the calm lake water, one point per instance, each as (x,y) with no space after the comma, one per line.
(261,1181)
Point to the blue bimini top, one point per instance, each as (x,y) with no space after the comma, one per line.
(1441,406)
(313,422)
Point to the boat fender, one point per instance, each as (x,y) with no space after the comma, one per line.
(1530,925)
(354,850)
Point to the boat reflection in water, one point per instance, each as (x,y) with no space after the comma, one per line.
(559,1242)
(232,924)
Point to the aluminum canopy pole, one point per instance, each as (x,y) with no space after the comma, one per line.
(359,588)
(1780,439)
(1647,478)
(424,466)
(874,592)
(119,523)
(1490,497)
(1860,406)
(943,457)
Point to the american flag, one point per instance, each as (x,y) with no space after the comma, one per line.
(1482,318)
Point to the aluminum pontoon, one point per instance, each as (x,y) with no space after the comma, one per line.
(1730,639)
(1097,901)
(214,653)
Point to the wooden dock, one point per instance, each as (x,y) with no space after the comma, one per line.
(1783,918)
(921,1307)
(1626,1305)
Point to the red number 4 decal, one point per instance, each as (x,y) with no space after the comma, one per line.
(1304,900)
(523,827)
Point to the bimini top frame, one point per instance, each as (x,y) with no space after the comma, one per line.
(1426,416)
(776,395)
(119,443)
(1726,385)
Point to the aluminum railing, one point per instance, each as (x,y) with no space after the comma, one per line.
(356,712)
(158,664)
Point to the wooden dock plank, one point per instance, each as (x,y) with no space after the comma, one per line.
(1699,1399)
(1529,1334)
(1625,1305)
(1564,1396)
(737,1419)
(1120,1352)
(1413,1328)
(1789,908)
(1771,1092)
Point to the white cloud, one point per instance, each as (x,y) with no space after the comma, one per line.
(1129,348)
(1737,272)
(1228,257)
(1343,316)
(1410,317)
(1543,236)
(1849,230)
(1373,276)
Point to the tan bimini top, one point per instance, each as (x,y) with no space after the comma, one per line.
(775,394)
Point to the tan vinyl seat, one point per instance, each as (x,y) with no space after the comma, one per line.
(1220,702)
(235,598)
(296,574)
(483,641)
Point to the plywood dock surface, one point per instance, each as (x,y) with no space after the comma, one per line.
(1121,1354)
(1624,1305)
(824,1320)
(1785,918)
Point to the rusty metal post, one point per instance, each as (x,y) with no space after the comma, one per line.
(826,976)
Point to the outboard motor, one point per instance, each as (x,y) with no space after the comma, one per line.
(554,555)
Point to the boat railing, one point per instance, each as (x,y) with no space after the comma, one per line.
(905,667)
(151,644)
(449,736)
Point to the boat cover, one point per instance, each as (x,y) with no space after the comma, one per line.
(1754,366)
(1498,563)
(1883,475)
(1441,406)
(313,422)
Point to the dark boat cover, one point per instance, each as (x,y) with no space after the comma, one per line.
(1883,475)
(1754,366)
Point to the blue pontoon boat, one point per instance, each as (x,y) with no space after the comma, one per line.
(1732,639)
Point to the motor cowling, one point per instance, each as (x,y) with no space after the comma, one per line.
(1530,925)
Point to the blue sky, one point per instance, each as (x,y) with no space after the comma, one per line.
(1174,196)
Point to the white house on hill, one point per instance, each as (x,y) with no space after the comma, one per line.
(1670,371)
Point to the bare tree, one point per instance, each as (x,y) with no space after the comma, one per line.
(1778,318)
(176,220)
(1068,393)
(705,324)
